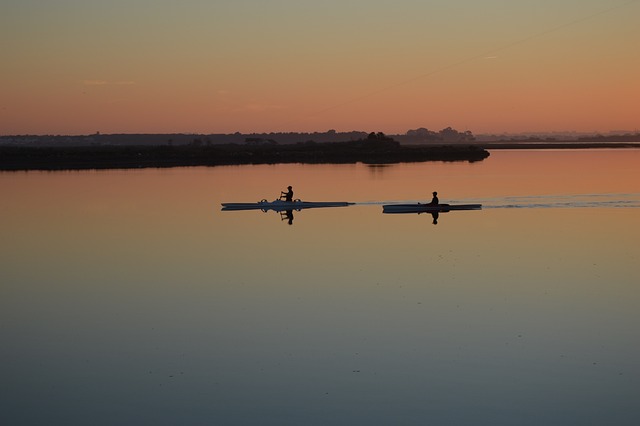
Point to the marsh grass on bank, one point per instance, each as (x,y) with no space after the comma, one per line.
(377,149)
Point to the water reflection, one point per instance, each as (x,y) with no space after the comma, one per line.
(378,170)
(135,288)
(288,216)
(284,208)
(435,216)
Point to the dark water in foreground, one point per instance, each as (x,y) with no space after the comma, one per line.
(128,297)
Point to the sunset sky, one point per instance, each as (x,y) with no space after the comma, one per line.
(221,66)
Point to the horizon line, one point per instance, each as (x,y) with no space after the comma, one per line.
(537,132)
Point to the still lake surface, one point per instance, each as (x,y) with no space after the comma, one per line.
(128,297)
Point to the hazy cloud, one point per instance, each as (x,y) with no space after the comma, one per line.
(260,107)
(94,82)
(251,106)
(107,83)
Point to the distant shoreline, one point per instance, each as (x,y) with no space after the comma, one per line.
(384,151)
(559,145)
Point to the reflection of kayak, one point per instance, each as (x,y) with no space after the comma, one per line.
(427,208)
(280,205)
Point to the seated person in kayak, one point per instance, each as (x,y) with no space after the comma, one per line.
(434,200)
(288,196)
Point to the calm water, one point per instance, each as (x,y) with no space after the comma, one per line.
(128,297)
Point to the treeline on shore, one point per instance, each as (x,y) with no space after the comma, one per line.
(375,149)
(447,136)
(418,136)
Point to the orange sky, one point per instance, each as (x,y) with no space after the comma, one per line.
(160,66)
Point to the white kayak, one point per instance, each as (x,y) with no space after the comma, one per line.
(427,208)
(280,205)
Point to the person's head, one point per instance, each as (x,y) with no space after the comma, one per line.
(435,193)
(289,187)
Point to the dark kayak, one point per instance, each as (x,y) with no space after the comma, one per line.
(427,208)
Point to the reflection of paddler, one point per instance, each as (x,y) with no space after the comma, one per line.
(435,216)
(288,195)
(288,215)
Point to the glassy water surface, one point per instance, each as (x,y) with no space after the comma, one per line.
(128,297)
